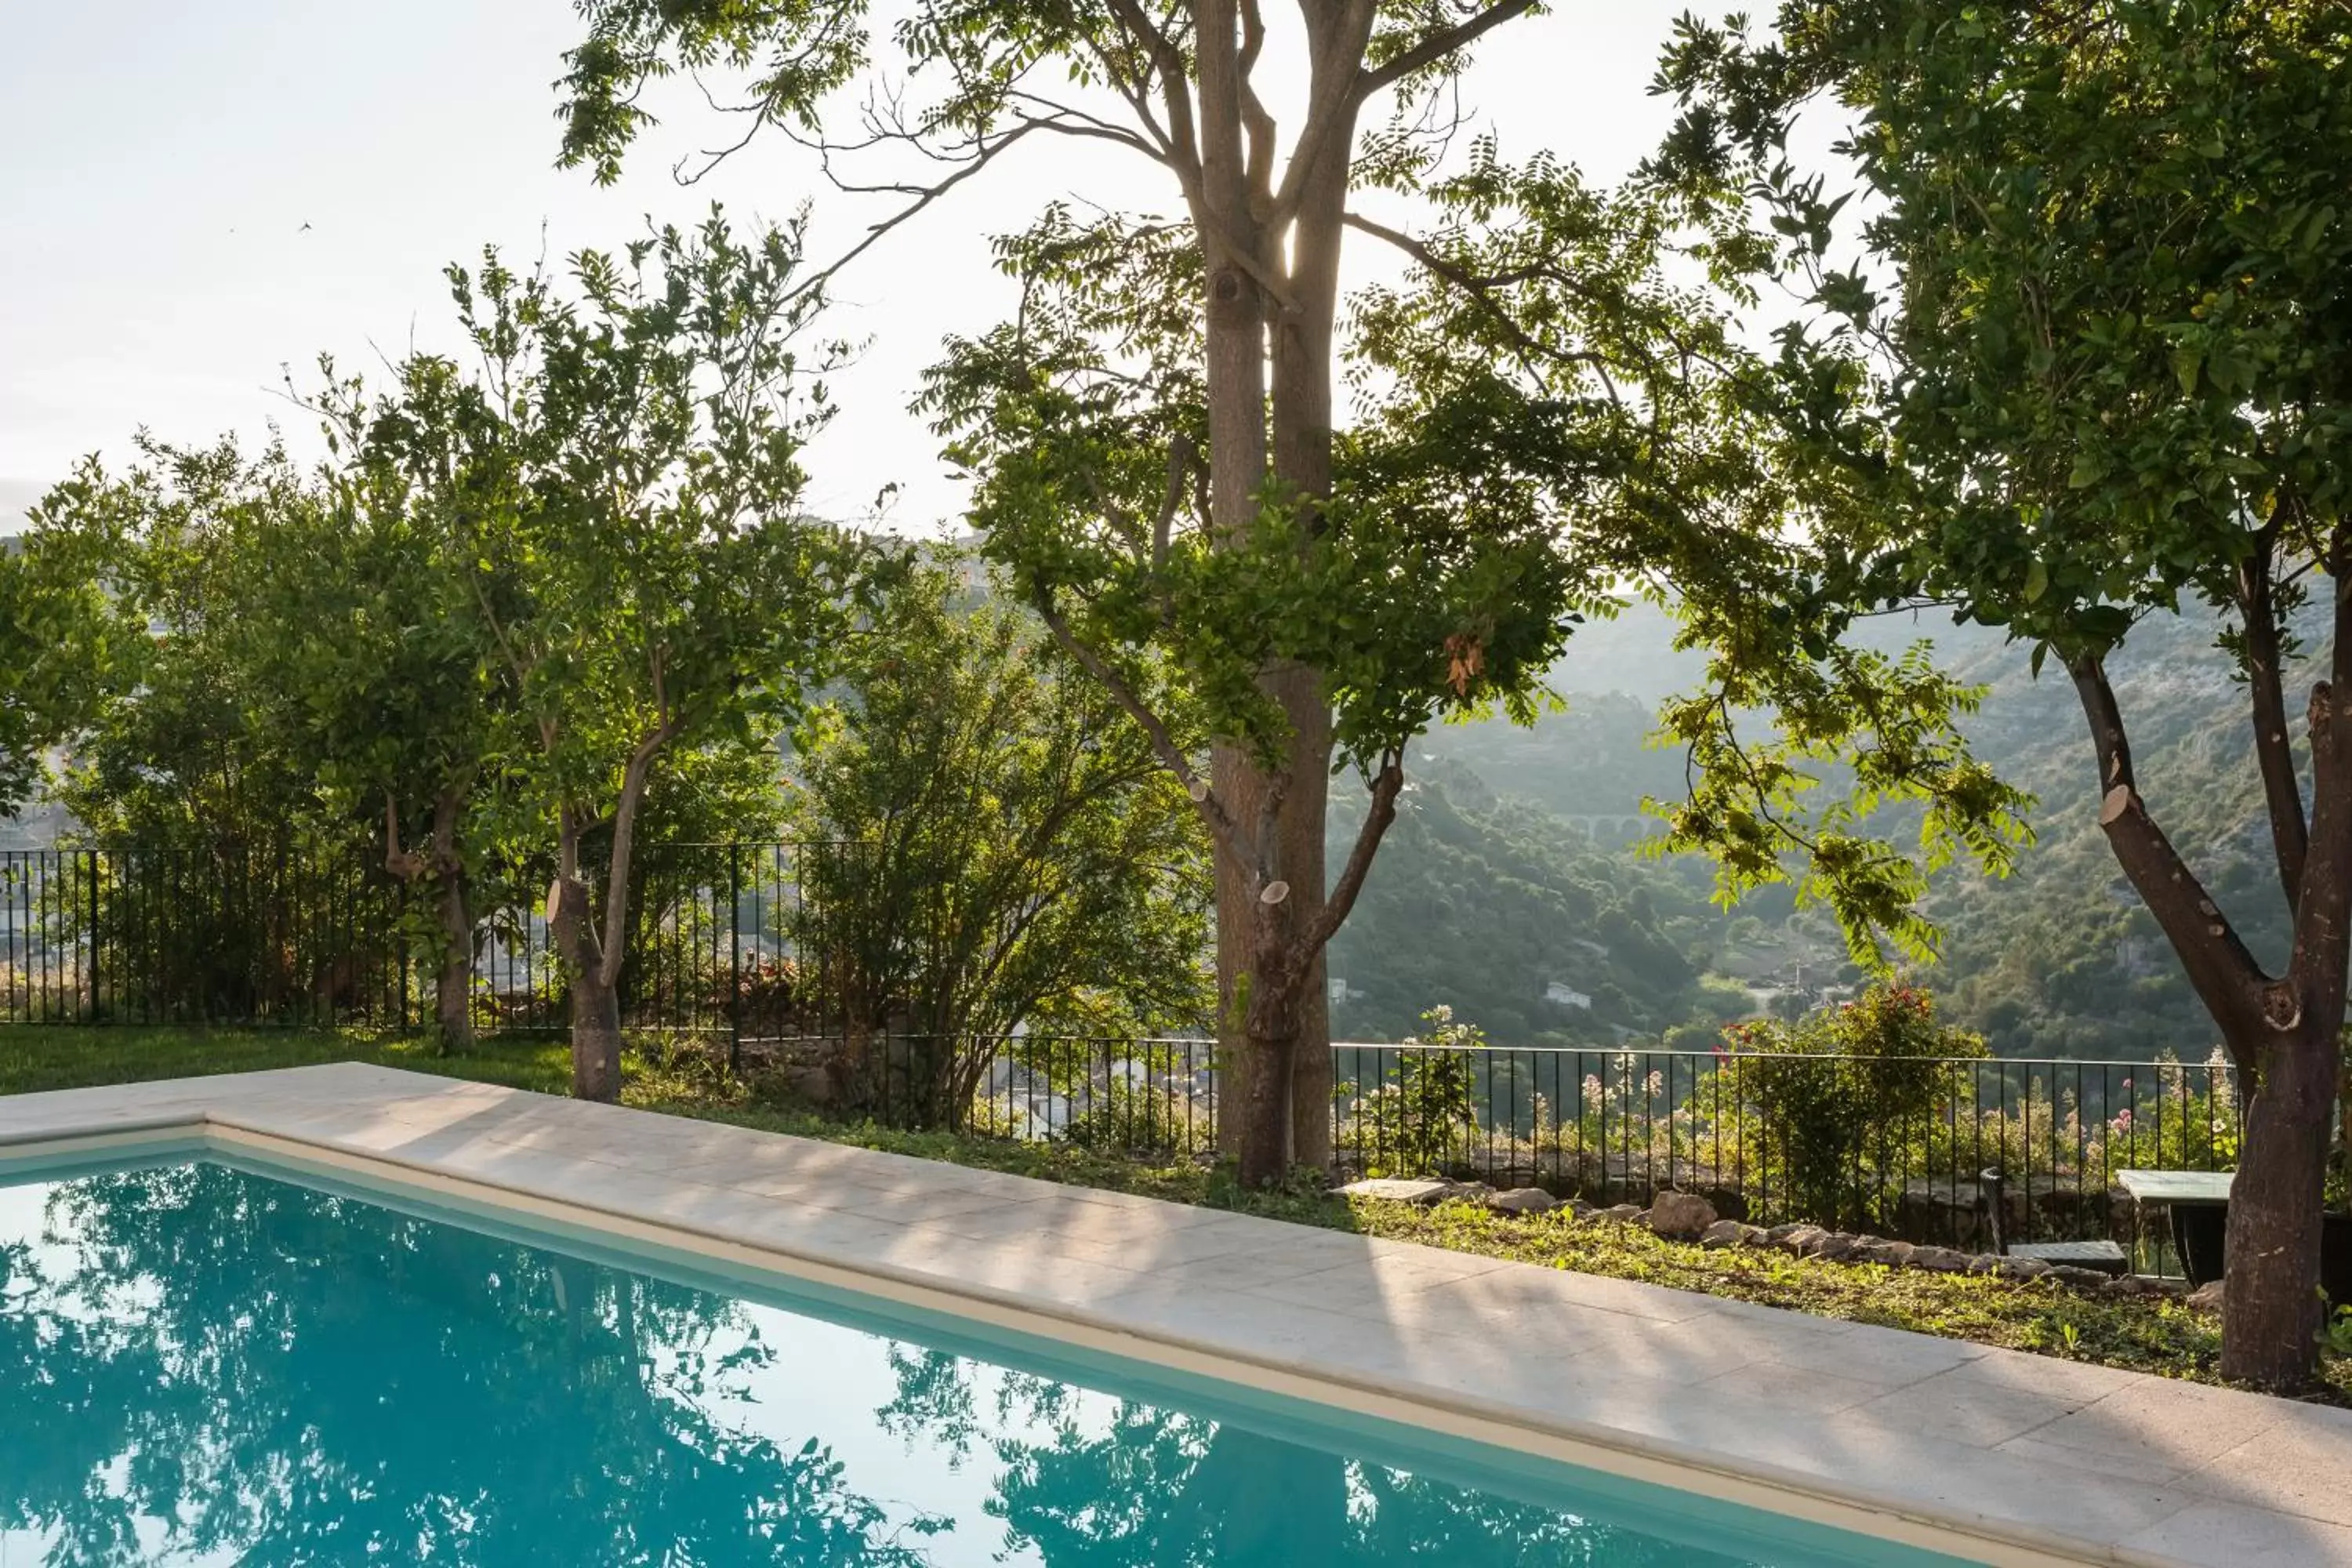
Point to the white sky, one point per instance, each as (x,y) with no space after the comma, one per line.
(159,160)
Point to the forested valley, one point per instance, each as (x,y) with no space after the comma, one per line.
(1513,871)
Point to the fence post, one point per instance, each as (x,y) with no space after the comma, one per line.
(90,858)
(734,959)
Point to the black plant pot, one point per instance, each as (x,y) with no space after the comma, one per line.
(2200,1233)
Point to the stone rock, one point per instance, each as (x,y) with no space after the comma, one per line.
(1800,1239)
(1398,1190)
(1581,1209)
(1985,1263)
(1626,1211)
(1732,1233)
(2207,1298)
(1893,1254)
(1523,1200)
(2079,1278)
(2124,1285)
(1681,1215)
(812,1085)
(1939,1259)
(1466,1192)
(2022,1269)
(1835,1246)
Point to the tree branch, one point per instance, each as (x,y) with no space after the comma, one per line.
(1254,116)
(1168,65)
(1437,46)
(1481,289)
(2226,976)
(1163,744)
(986,152)
(1386,785)
(2281,793)
(2322,924)
(624,828)
(1331,104)
(404,866)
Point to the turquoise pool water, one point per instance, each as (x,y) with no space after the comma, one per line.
(211,1364)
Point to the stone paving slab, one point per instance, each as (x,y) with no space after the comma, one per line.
(2037,1460)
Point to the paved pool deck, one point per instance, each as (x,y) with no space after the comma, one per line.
(2031,1459)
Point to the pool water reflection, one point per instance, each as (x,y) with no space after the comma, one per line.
(204,1364)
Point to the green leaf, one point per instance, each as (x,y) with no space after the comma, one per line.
(2187,363)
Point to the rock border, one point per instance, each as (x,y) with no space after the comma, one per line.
(1687,1216)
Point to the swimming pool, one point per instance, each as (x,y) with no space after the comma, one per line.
(213,1361)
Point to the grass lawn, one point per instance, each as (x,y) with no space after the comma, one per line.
(2148,1334)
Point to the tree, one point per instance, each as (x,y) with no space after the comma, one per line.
(173,748)
(1163,469)
(992,844)
(189,746)
(284,669)
(2090,354)
(375,649)
(619,484)
(45,618)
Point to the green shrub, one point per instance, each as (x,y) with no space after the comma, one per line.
(1825,1087)
(1414,1124)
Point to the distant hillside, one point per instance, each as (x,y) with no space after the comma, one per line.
(2058,960)
(1496,908)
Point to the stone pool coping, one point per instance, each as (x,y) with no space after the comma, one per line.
(1985,1453)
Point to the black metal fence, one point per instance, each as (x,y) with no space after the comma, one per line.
(721,943)
(1619,1126)
(727,955)
(221,935)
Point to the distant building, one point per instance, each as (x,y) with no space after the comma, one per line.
(1343,992)
(1566,996)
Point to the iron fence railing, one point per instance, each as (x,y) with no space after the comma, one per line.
(721,943)
(729,953)
(1619,1126)
(225,935)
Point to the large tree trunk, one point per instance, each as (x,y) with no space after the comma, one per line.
(452,1018)
(2271,1310)
(453,985)
(594,959)
(1278,1108)
(2282,1031)
(596,1039)
(595,1000)
(1236,309)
